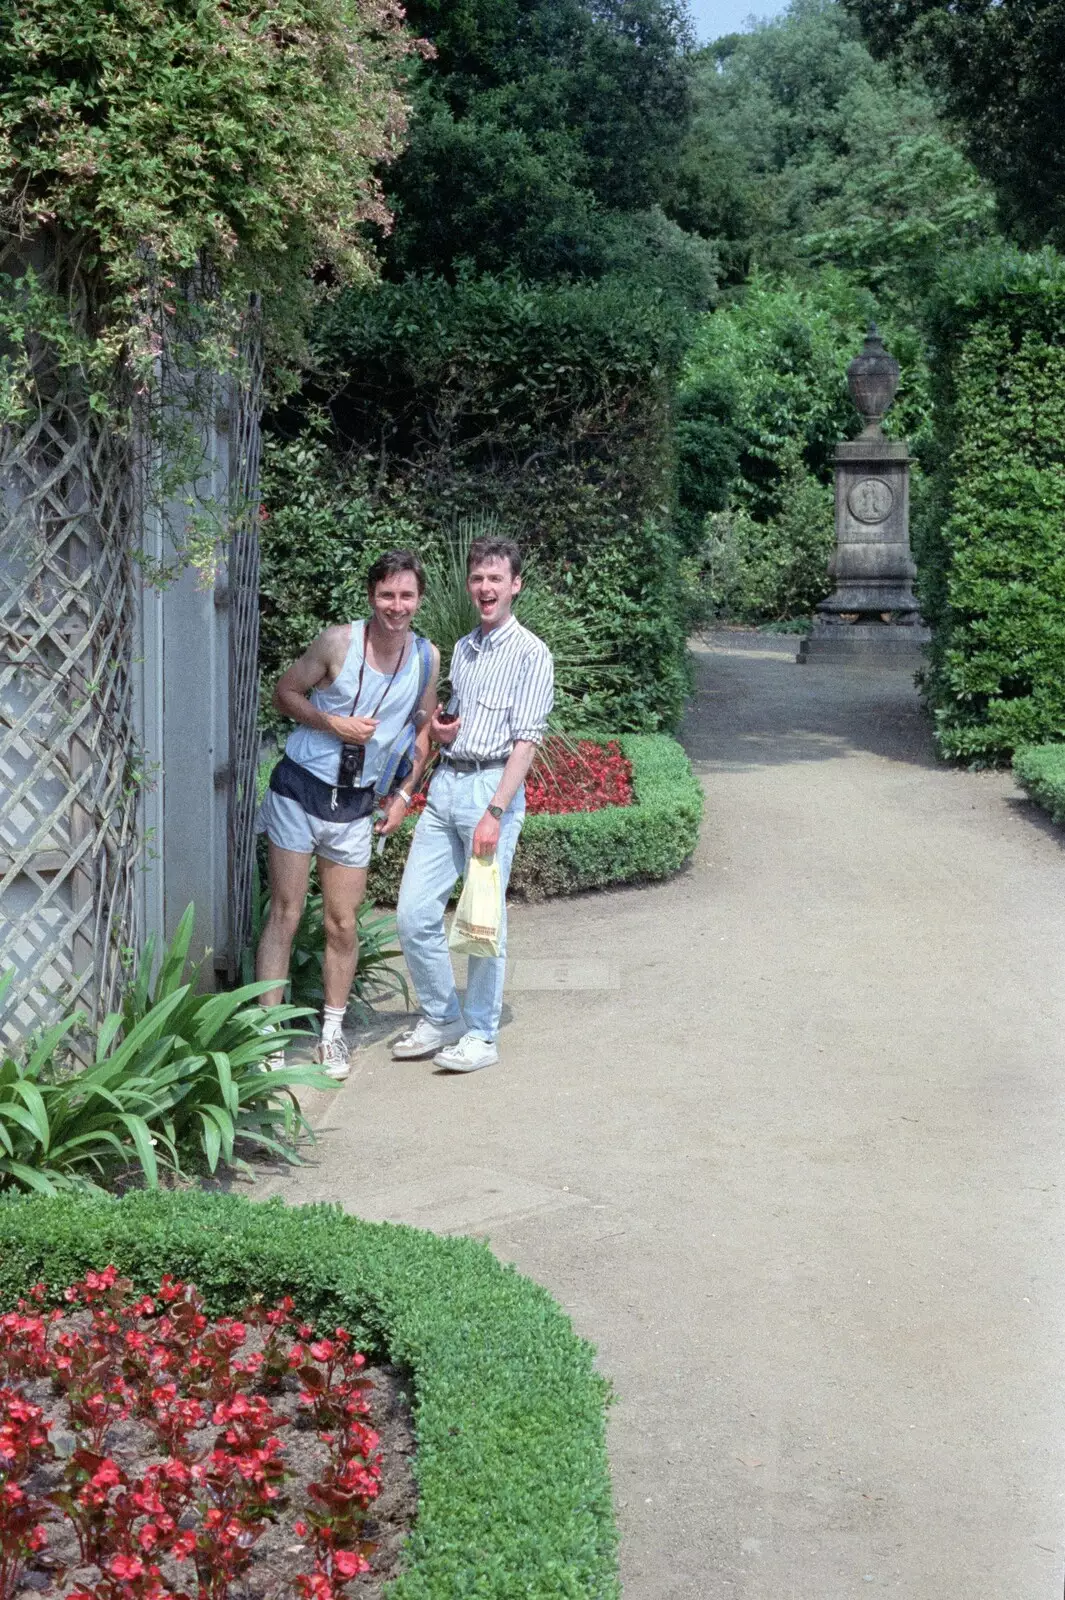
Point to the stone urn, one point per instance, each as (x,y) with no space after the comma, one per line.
(871,616)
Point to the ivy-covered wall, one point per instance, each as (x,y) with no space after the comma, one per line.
(993,553)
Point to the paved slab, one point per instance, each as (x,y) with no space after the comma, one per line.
(785,1137)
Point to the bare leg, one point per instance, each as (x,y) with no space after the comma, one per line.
(289,873)
(342,892)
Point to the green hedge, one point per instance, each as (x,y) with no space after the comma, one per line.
(1040,771)
(993,560)
(514,1492)
(652,838)
(547,408)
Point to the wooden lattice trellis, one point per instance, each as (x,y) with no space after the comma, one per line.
(71,766)
(243,590)
(67,749)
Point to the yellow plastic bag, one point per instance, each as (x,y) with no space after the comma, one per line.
(478,917)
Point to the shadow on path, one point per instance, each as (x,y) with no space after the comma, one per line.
(755,707)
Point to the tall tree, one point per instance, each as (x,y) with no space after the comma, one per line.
(533,119)
(804,149)
(998,65)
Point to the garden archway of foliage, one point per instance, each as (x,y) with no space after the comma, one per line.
(159,164)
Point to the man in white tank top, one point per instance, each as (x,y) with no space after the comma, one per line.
(350,694)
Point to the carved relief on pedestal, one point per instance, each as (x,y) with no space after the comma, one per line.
(871,500)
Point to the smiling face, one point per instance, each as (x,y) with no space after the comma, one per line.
(493,588)
(395,600)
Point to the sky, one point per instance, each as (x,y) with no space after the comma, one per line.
(715,17)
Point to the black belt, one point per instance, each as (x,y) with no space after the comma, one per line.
(468,764)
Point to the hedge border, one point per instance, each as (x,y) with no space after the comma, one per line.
(514,1489)
(639,843)
(1040,771)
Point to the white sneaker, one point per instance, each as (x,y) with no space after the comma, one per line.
(469,1055)
(426,1038)
(334,1056)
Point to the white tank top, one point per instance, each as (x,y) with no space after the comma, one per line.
(320,752)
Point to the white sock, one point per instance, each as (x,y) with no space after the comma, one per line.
(332,1022)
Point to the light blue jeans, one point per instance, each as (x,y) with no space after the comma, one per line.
(440,849)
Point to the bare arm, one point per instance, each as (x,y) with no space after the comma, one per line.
(515,772)
(521,758)
(319,664)
(533,698)
(423,743)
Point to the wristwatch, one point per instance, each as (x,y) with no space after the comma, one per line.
(495,811)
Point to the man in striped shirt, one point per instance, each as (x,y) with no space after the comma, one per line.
(502,690)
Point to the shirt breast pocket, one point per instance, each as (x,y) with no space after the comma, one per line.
(493,712)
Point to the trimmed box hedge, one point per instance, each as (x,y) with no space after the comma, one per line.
(992,555)
(650,839)
(1040,771)
(514,1491)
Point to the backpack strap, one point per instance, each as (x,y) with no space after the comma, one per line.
(399,758)
(425,667)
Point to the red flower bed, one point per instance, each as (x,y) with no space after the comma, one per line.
(585,778)
(580,776)
(140,1446)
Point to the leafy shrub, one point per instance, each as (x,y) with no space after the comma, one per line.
(61,1130)
(176,1073)
(447,613)
(1040,771)
(993,557)
(216,1047)
(762,404)
(159,165)
(507,1404)
(778,568)
(321,529)
(651,838)
(764,378)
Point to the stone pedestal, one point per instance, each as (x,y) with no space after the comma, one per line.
(871,617)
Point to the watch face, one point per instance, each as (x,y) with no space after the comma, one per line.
(496,811)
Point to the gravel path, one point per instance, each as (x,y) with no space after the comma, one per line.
(784,1137)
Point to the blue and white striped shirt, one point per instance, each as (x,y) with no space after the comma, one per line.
(503,688)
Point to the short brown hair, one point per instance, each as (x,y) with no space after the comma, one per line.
(394,561)
(494,550)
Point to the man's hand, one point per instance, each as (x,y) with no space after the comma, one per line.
(443,732)
(353,730)
(486,835)
(394,813)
